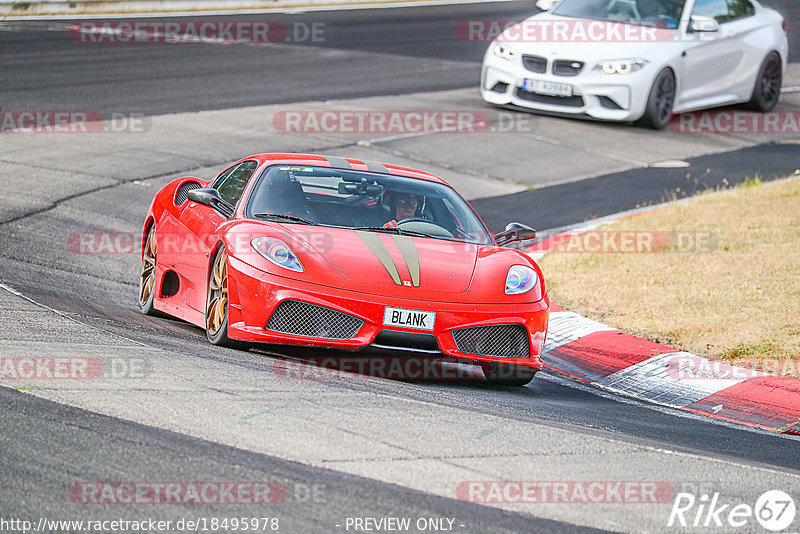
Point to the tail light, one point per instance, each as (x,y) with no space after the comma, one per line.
(785,26)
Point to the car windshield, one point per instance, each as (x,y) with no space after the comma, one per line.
(364,200)
(662,13)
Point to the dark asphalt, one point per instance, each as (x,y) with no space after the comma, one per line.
(574,202)
(359,53)
(46,446)
(63,445)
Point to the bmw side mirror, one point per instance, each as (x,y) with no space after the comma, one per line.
(210,197)
(545,5)
(514,233)
(699,24)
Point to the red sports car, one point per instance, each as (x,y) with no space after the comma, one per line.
(338,253)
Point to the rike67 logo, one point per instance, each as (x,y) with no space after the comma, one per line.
(774,510)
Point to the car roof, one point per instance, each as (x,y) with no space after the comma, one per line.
(338,162)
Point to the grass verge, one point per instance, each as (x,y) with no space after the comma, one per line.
(718,276)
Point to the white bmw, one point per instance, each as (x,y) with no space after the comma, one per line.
(638,60)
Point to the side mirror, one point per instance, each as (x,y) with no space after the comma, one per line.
(698,24)
(545,5)
(210,197)
(515,233)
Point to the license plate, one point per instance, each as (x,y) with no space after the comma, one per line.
(547,88)
(419,320)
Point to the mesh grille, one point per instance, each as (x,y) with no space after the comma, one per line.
(309,320)
(567,68)
(504,341)
(183,191)
(534,63)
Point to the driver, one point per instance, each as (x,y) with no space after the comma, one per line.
(399,206)
(405,206)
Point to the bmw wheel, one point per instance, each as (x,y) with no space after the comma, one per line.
(767,90)
(660,101)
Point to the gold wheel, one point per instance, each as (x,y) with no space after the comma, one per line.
(147,280)
(217,303)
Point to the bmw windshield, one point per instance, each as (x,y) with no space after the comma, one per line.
(661,13)
(364,200)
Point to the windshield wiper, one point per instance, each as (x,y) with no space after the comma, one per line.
(395,230)
(278,216)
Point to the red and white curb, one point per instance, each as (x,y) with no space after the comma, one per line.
(621,363)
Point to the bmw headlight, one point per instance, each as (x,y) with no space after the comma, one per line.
(503,52)
(277,252)
(520,279)
(620,66)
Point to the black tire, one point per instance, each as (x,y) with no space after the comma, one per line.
(147,278)
(217,303)
(767,90)
(504,374)
(659,102)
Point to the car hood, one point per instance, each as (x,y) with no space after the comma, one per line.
(371,260)
(651,42)
(409,268)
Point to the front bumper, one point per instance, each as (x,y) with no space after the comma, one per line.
(254,295)
(600,96)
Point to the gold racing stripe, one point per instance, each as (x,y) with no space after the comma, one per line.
(379,249)
(410,255)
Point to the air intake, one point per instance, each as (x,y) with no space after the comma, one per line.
(309,320)
(502,341)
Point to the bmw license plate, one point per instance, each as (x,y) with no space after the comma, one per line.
(419,320)
(546,88)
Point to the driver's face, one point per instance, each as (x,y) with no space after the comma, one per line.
(405,206)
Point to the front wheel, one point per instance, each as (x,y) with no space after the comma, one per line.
(505,374)
(767,90)
(217,304)
(147,278)
(660,101)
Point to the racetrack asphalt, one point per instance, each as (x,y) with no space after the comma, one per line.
(358,53)
(378,447)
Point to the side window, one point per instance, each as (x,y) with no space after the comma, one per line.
(740,9)
(231,183)
(715,9)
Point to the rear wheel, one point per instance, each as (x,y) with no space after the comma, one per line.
(767,90)
(508,374)
(659,101)
(147,279)
(217,303)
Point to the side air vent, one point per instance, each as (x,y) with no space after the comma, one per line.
(170,285)
(181,195)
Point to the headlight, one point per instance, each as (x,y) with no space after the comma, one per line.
(277,252)
(620,66)
(503,52)
(520,279)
